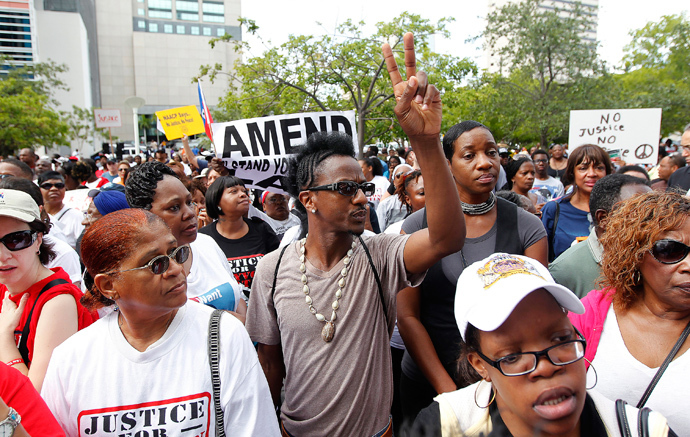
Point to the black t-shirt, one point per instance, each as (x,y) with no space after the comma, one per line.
(244,253)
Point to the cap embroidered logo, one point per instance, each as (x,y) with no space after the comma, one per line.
(503,266)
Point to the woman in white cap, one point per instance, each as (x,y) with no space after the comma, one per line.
(40,306)
(528,359)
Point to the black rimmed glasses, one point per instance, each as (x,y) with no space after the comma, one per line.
(48,185)
(161,263)
(669,251)
(347,188)
(19,240)
(525,362)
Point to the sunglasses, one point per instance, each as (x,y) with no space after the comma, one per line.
(161,263)
(348,188)
(540,161)
(19,240)
(123,169)
(669,251)
(48,185)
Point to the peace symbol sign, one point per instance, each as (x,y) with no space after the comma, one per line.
(644,151)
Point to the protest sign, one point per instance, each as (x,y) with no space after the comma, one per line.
(179,121)
(107,118)
(631,134)
(77,199)
(257,149)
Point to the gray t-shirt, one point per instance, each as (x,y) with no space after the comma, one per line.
(344,387)
(436,314)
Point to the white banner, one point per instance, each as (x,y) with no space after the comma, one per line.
(107,118)
(257,149)
(631,134)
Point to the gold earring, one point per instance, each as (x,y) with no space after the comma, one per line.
(493,396)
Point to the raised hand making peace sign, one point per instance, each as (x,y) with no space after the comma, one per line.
(418,107)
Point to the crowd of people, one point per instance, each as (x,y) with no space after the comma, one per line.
(445,289)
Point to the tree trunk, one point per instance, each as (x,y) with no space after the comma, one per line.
(361,130)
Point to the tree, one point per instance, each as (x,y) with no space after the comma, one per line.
(81,125)
(28,114)
(546,67)
(342,71)
(656,70)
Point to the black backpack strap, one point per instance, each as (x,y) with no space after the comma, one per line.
(622,417)
(643,422)
(376,276)
(23,342)
(552,250)
(213,361)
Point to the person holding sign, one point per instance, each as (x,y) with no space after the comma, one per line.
(323,308)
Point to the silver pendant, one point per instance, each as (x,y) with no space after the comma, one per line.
(328,332)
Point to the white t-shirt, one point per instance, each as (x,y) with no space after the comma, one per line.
(68,220)
(622,376)
(278,226)
(389,211)
(115,390)
(210,280)
(381,187)
(65,257)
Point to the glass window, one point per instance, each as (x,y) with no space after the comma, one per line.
(195,30)
(153,27)
(207,31)
(180,28)
(213,19)
(161,4)
(186,5)
(160,14)
(141,11)
(220,32)
(167,28)
(187,17)
(214,8)
(140,1)
(141,24)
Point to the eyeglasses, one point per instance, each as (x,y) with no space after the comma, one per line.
(48,185)
(3,176)
(524,363)
(19,240)
(161,263)
(275,200)
(348,188)
(123,169)
(540,161)
(669,251)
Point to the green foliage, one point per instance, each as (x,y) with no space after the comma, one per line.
(81,125)
(546,69)
(28,116)
(341,71)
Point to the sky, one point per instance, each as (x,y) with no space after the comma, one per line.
(301,17)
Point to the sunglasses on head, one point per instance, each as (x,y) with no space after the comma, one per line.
(348,188)
(669,251)
(161,263)
(48,185)
(19,240)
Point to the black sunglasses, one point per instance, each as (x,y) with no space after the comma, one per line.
(669,251)
(48,185)
(161,263)
(19,240)
(348,188)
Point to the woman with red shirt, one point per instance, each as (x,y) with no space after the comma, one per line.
(40,306)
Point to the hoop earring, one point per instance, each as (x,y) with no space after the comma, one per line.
(493,397)
(636,279)
(596,376)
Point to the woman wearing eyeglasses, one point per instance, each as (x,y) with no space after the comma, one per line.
(153,348)
(528,359)
(122,173)
(243,241)
(634,322)
(40,306)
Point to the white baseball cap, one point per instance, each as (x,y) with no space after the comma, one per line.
(19,205)
(489,290)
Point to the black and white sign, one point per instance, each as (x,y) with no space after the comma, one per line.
(631,134)
(257,149)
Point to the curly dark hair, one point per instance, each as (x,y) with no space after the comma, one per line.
(106,244)
(141,184)
(631,230)
(81,171)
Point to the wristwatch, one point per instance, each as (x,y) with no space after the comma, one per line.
(8,425)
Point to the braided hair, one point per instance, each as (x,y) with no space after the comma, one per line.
(142,182)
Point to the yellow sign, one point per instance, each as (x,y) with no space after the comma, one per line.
(179,121)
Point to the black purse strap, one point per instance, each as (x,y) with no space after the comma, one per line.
(643,422)
(671,355)
(213,360)
(622,417)
(23,342)
(376,276)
